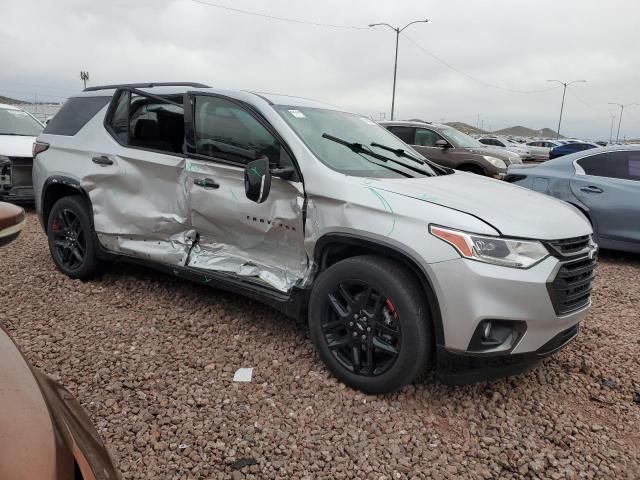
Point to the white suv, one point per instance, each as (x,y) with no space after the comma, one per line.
(18,131)
(397,265)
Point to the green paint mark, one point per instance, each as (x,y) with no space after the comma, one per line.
(255,172)
(386,206)
(233,195)
(427,198)
(192,167)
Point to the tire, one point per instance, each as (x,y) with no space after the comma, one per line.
(357,338)
(472,169)
(71,238)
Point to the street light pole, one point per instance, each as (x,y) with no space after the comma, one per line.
(621,112)
(398,31)
(564,91)
(613,117)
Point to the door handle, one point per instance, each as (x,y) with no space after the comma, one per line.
(102,161)
(206,183)
(591,189)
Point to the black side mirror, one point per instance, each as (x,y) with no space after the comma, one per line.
(442,144)
(257,180)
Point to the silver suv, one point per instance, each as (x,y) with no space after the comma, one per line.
(398,266)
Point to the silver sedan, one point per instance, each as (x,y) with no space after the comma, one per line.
(604,183)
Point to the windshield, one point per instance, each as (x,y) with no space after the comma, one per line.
(311,123)
(18,122)
(459,139)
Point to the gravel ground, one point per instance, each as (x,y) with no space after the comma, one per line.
(152,360)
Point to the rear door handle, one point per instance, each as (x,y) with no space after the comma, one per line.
(591,189)
(102,160)
(206,183)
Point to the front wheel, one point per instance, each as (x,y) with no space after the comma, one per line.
(369,322)
(70,235)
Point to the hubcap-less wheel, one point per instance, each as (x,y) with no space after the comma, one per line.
(70,243)
(361,328)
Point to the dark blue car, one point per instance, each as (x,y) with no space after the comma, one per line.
(568,148)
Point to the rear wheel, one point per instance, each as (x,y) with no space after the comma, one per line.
(369,322)
(70,235)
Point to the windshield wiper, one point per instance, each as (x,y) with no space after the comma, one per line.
(401,153)
(361,149)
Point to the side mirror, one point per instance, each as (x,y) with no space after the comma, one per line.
(442,144)
(257,180)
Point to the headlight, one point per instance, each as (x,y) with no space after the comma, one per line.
(495,250)
(496,162)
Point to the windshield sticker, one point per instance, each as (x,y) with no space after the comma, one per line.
(367,120)
(297,113)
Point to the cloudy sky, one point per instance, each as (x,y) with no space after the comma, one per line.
(510,44)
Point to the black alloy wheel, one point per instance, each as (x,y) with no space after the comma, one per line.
(71,238)
(70,241)
(369,320)
(361,328)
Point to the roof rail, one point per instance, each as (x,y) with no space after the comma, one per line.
(146,85)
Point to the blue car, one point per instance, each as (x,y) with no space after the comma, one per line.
(571,147)
(603,183)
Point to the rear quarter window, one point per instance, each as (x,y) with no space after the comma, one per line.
(74,115)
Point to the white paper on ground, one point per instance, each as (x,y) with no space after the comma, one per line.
(243,375)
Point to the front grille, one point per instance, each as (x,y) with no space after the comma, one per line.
(21,171)
(570,246)
(570,290)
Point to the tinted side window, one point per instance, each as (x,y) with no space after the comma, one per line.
(595,165)
(624,165)
(225,130)
(74,115)
(427,138)
(406,134)
(147,122)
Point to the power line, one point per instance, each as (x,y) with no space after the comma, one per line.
(282,19)
(588,104)
(470,77)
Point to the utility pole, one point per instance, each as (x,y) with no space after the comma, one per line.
(564,91)
(622,106)
(613,117)
(84,76)
(398,31)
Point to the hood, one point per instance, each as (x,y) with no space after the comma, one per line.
(513,211)
(27,439)
(16,146)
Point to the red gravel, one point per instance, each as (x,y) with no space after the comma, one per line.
(152,360)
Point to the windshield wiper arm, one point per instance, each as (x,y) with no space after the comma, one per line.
(359,148)
(401,153)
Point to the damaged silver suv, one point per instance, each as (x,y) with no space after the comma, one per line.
(398,266)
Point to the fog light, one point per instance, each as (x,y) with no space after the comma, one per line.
(496,336)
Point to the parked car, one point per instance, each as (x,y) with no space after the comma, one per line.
(503,143)
(18,131)
(603,183)
(451,148)
(570,147)
(45,432)
(12,221)
(541,148)
(326,216)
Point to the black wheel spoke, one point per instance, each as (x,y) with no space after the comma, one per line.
(385,346)
(337,306)
(385,329)
(355,358)
(76,253)
(339,343)
(333,326)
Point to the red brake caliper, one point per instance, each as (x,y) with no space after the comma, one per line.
(392,309)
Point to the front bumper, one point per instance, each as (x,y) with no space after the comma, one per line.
(471,293)
(461,368)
